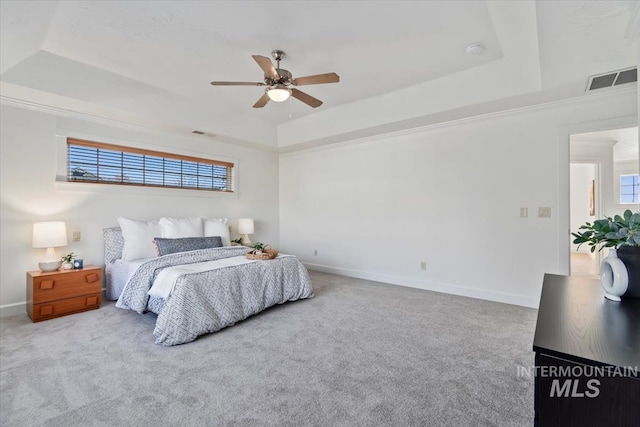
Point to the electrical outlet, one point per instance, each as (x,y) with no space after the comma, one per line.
(315,252)
(75,236)
(423,265)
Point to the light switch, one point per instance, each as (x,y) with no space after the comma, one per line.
(76,236)
(544,212)
(524,212)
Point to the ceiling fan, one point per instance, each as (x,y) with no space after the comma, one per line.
(277,80)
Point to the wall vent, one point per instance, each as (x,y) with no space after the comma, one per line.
(613,78)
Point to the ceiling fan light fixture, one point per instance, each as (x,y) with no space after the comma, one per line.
(279,93)
(277,81)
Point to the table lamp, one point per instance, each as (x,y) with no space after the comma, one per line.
(49,234)
(245,227)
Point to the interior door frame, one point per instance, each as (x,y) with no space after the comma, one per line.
(598,198)
(564,219)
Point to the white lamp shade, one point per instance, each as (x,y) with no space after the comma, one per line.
(245,226)
(50,234)
(279,93)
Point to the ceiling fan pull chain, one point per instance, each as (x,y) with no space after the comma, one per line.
(289,107)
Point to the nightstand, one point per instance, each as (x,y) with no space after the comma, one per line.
(58,293)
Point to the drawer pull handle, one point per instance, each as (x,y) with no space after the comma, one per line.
(90,278)
(92,300)
(45,310)
(46,284)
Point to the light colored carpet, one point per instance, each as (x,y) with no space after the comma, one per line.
(360,353)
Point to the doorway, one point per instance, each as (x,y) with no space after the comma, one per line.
(597,160)
(584,207)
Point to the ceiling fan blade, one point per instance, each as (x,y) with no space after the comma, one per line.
(317,79)
(236,84)
(267,66)
(264,99)
(306,98)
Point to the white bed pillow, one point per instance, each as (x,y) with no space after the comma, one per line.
(138,238)
(218,227)
(178,228)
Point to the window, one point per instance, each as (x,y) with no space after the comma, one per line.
(629,189)
(96,162)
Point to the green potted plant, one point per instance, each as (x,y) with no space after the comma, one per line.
(611,232)
(622,235)
(67,261)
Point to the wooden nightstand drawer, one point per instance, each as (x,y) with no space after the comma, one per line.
(49,310)
(58,293)
(65,285)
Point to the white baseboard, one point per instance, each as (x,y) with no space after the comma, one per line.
(13,309)
(21,307)
(429,286)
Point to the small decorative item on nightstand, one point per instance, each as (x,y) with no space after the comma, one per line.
(67,261)
(77,263)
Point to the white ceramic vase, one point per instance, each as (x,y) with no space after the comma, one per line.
(613,276)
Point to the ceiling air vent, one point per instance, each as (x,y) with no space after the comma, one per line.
(199,132)
(614,78)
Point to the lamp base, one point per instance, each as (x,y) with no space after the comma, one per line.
(49,265)
(246,241)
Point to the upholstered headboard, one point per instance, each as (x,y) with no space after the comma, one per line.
(113,244)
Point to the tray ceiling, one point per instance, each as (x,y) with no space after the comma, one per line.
(398,61)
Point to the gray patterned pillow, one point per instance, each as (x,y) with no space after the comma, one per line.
(185,244)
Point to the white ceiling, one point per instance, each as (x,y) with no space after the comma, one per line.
(624,141)
(401,63)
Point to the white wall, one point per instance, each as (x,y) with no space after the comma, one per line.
(448,195)
(600,152)
(581,177)
(29,192)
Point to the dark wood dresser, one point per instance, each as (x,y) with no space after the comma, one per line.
(587,356)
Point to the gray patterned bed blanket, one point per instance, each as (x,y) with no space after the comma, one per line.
(208,301)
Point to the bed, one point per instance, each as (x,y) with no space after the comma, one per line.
(200,291)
